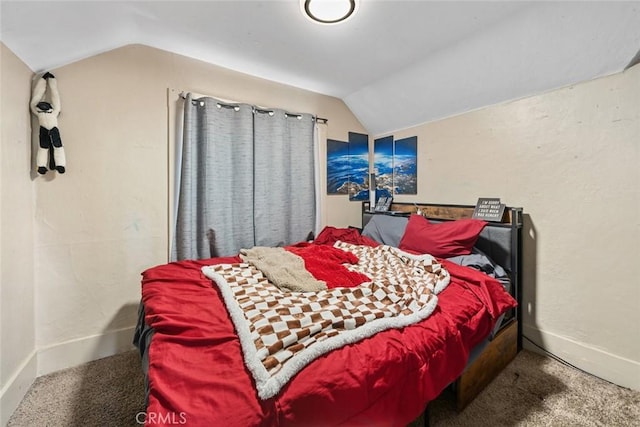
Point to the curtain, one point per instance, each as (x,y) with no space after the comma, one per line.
(318,178)
(246,179)
(284,200)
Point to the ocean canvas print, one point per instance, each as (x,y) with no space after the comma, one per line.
(405,166)
(338,168)
(383,166)
(359,164)
(395,163)
(348,166)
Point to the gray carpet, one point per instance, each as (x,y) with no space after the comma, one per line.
(535,390)
(532,391)
(106,392)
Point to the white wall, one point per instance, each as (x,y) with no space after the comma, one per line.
(571,159)
(17,321)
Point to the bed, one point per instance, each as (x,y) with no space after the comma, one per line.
(395,343)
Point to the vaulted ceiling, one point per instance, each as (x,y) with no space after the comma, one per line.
(395,63)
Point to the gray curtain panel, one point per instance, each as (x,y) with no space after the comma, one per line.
(284,200)
(215,203)
(246,179)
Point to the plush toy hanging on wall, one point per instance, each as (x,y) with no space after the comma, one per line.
(50,144)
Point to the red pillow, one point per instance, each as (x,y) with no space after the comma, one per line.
(443,239)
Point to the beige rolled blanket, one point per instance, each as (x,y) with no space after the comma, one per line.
(282,268)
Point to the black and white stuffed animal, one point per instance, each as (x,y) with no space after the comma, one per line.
(50,145)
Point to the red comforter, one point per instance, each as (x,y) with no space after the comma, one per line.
(197,376)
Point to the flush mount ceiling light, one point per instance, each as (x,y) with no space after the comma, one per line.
(328,11)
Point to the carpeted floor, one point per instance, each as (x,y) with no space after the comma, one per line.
(532,391)
(538,391)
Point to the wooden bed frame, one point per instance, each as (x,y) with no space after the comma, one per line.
(507,342)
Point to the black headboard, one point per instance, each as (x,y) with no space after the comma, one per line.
(501,241)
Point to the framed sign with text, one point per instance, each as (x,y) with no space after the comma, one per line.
(489,209)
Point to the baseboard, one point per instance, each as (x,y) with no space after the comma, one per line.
(17,386)
(82,350)
(613,368)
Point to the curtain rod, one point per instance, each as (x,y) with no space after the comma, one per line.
(183,95)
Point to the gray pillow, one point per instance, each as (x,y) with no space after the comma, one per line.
(386,229)
(478,260)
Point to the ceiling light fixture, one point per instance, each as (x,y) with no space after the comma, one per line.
(328,11)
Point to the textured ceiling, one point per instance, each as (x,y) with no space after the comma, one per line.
(395,64)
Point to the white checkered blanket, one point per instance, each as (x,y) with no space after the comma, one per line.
(281,332)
